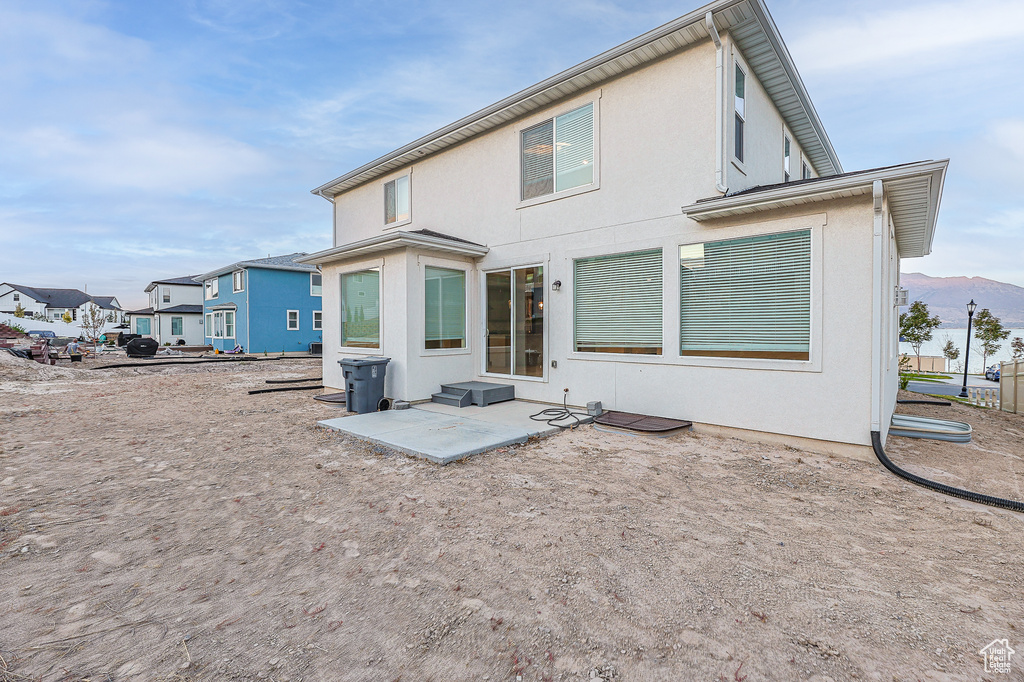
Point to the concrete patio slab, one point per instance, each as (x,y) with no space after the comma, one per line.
(442,433)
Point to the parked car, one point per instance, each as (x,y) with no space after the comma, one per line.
(992,373)
(42,334)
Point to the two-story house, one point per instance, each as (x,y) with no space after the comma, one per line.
(53,304)
(265,305)
(665,228)
(175,312)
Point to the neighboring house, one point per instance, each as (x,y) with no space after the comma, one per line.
(175,312)
(665,228)
(265,305)
(54,303)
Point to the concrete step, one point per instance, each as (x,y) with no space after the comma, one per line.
(482,393)
(453,397)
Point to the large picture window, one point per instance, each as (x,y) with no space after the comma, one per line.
(396,200)
(360,309)
(445,309)
(558,154)
(618,303)
(747,298)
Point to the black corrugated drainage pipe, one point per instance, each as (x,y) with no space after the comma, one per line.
(876,444)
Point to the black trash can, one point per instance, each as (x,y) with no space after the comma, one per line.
(364,383)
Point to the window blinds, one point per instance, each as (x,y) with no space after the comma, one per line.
(360,309)
(574,148)
(747,297)
(558,154)
(618,303)
(445,310)
(538,160)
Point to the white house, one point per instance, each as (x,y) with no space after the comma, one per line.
(54,303)
(175,312)
(665,228)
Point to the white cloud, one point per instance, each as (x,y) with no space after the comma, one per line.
(898,38)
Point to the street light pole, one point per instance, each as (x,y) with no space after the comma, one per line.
(967,354)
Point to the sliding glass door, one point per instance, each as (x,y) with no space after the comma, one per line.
(515,322)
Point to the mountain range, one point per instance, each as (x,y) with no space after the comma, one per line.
(947,297)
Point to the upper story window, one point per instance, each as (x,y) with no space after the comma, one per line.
(17,296)
(211,288)
(238,281)
(741,110)
(166,292)
(558,154)
(316,281)
(805,171)
(396,201)
(786,161)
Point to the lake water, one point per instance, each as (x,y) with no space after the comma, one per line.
(959,338)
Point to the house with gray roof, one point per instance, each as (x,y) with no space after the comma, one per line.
(54,303)
(175,312)
(264,305)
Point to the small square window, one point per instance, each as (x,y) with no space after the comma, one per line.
(318,320)
(166,294)
(293,320)
(316,281)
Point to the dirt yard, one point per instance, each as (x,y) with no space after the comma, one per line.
(161,524)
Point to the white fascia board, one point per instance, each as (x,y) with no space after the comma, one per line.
(805,191)
(395,240)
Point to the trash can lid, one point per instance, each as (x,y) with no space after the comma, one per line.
(363,362)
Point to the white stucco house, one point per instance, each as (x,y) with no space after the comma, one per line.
(665,228)
(174,314)
(54,303)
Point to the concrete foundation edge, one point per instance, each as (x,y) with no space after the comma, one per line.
(862,453)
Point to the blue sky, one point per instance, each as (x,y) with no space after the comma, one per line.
(156,139)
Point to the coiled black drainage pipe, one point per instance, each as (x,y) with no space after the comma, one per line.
(876,444)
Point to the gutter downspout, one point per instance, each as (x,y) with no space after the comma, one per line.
(334,217)
(709,22)
(877,303)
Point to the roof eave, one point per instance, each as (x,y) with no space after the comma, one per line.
(389,242)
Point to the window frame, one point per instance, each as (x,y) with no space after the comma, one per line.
(453,267)
(17,297)
(377,266)
(233,317)
(211,288)
(311,285)
(165,294)
(318,325)
(805,170)
(288,320)
(238,281)
(739,122)
(181,325)
(787,157)
(544,118)
(208,325)
(407,175)
(661,351)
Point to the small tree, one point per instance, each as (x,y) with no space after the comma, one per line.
(990,332)
(951,352)
(916,327)
(93,322)
(66,317)
(1017,348)
(19,310)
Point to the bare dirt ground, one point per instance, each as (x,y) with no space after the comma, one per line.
(162,524)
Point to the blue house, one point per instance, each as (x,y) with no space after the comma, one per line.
(266,305)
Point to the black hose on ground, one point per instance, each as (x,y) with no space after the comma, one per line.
(944,403)
(286,388)
(876,444)
(157,363)
(554,414)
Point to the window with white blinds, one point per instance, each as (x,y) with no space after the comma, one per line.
(618,303)
(445,309)
(360,309)
(558,154)
(747,298)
